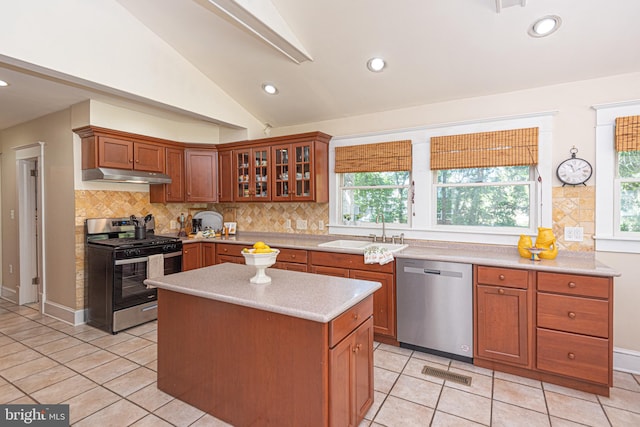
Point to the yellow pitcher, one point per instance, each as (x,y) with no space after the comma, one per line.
(547,240)
(523,244)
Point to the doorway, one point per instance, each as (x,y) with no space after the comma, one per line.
(30,225)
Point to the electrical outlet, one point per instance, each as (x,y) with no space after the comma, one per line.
(13,214)
(173,225)
(321,225)
(287,224)
(10,268)
(301,224)
(573,234)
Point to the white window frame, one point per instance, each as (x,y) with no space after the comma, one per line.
(608,237)
(421,212)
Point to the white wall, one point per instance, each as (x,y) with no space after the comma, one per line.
(99,44)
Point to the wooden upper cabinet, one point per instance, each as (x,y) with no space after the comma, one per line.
(225,176)
(123,154)
(201,175)
(279,169)
(174,167)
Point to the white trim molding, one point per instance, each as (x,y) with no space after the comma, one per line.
(64,313)
(9,294)
(626,360)
(606,237)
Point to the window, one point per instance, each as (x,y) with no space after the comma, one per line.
(484,197)
(369,197)
(628,190)
(618,178)
(485,179)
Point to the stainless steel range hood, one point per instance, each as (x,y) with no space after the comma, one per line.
(122,175)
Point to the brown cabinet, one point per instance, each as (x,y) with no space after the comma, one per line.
(565,340)
(174,167)
(351,377)
(123,154)
(208,254)
(225,176)
(353,266)
(191,256)
(292,259)
(574,326)
(229,252)
(283,169)
(293,172)
(251,167)
(201,175)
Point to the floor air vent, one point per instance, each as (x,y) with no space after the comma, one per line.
(446,375)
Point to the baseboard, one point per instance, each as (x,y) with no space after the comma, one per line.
(9,294)
(626,360)
(64,313)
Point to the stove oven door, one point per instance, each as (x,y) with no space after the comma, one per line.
(128,287)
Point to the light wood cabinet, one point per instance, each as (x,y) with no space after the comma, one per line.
(201,175)
(353,266)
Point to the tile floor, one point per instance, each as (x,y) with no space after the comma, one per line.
(109,380)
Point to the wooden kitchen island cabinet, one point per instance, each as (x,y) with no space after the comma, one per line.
(223,349)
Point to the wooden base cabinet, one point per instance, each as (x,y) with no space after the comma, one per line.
(353,266)
(191,256)
(552,327)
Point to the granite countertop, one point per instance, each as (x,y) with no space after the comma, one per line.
(304,295)
(490,255)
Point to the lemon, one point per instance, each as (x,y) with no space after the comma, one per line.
(259,245)
(266,250)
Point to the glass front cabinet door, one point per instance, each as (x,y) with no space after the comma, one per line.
(252,166)
(292,172)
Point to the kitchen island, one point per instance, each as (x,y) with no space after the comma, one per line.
(297,351)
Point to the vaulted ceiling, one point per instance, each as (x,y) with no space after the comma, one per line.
(436,50)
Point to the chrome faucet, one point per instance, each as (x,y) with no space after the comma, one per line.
(384,234)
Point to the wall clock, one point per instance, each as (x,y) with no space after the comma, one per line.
(574,171)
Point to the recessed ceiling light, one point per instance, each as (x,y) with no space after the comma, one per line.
(269,88)
(376,64)
(3,83)
(545,26)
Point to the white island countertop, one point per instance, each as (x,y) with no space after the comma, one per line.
(308,296)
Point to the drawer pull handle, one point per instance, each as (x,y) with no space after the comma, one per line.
(571,315)
(501,291)
(293,256)
(355,316)
(572,285)
(571,356)
(501,277)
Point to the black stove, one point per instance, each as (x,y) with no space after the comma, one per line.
(117,264)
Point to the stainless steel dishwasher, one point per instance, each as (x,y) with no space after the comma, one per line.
(435,307)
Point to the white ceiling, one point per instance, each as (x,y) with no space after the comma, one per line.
(436,50)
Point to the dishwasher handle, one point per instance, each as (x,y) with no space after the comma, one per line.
(431,271)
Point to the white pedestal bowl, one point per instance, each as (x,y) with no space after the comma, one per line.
(261,262)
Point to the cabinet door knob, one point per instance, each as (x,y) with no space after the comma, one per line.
(355,316)
(571,356)
(501,291)
(293,256)
(224,249)
(130,160)
(137,161)
(186,251)
(571,284)
(571,315)
(501,277)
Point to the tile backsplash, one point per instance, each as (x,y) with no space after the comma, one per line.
(574,207)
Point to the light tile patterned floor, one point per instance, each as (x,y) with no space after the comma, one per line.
(111,380)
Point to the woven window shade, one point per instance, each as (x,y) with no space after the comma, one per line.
(628,133)
(390,156)
(516,147)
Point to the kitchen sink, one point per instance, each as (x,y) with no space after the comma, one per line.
(360,246)
(346,244)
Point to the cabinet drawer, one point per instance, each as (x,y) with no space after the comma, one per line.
(232,259)
(293,255)
(229,249)
(573,355)
(503,277)
(345,323)
(573,314)
(351,261)
(574,284)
